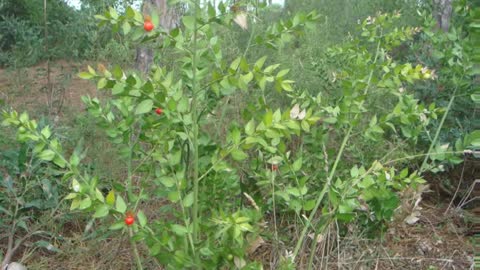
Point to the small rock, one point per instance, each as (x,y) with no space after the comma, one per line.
(15,266)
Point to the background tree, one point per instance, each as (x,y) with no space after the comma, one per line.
(443,12)
(169,18)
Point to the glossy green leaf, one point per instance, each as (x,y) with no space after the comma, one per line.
(142,219)
(179,229)
(101,211)
(47,155)
(188,200)
(189,22)
(85,203)
(239,155)
(110,200)
(120,205)
(144,107)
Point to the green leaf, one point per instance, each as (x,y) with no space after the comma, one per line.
(305,125)
(46,132)
(277,116)
(366,182)
(110,200)
(234,65)
(239,155)
(117,226)
(100,17)
(182,105)
(179,229)
(155,18)
(260,62)
(188,200)
(211,11)
(271,68)
(354,172)
(189,22)
(60,162)
(118,88)
(120,205)
(403,173)
(286,85)
(85,75)
(174,196)
(130,13)
(250,127)
(126,27)
(99,195)
(75,204)
(235,136)
(282,73)
(85,203)
(297,165)
(75,185)
(47,155)
(175,158)
(144,107)
(117,72)
(275,160)
(142,219)
(71,196)
(113,13)
(167,181)
(474,138)
(309,205)
(262,82)
(268,118)
(476,98)
(101,211)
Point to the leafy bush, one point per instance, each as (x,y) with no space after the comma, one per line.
(219,171)
(32,193)
(21,43)
(71,34)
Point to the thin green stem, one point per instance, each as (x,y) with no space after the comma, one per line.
(195,127)
(274,207)
(437,133)
(312,253)
(188,237)
(426,155)
(322,193)
(334,168)
(138,260)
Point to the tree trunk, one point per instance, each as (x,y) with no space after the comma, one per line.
(442,12)
(169,19)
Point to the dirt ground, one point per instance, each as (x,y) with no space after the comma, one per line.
(440,239)
(27,89)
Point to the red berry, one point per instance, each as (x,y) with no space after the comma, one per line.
(148,26)
(129,220)
(274,167)
(159,111)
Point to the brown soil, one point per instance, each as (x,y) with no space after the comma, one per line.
(25,89)
(458,185)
